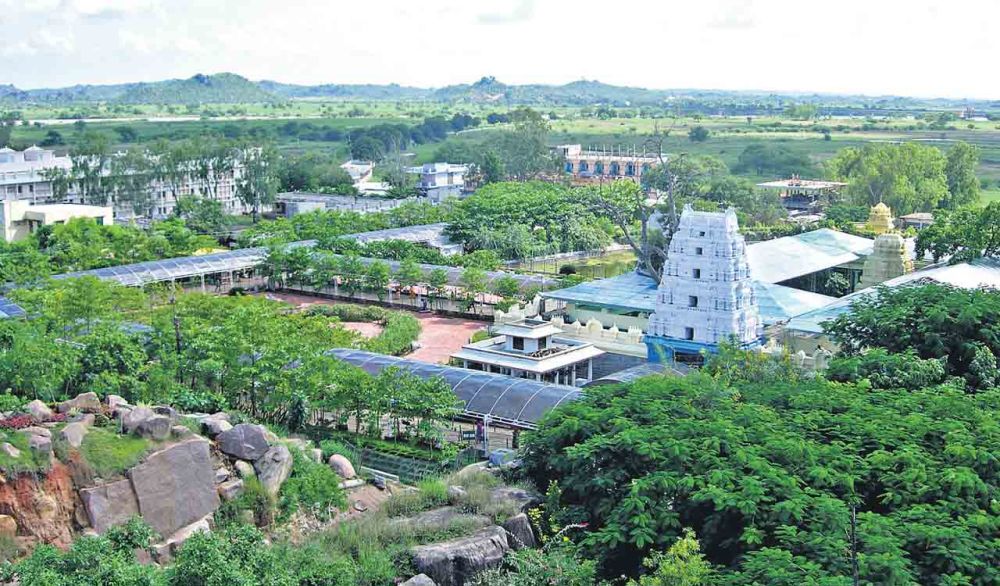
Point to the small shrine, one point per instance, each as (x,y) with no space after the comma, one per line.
(880,219)
(888,260)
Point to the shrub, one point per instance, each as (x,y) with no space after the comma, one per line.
(430,493)
(397,337)
(330,447)
(16,422)
(313,487)
(255,499)
(349,312)
(9,402)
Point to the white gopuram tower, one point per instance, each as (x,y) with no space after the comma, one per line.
(706,295)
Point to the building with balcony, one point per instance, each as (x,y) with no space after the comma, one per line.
(588,165)
(40,176)
(804,196)
(531,348)
(438,181)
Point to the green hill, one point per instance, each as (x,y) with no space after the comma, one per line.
(222,88)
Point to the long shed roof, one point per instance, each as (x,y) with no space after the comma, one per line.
(517,402)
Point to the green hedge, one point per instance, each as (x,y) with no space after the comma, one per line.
(350,312)
(400,331)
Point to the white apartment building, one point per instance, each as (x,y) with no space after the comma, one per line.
(440,180)
(26,176)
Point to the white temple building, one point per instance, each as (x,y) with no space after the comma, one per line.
(706,295)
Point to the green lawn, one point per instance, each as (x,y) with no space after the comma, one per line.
(989,196)
(109,453)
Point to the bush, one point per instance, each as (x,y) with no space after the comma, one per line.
(312,487)
(400,331)
(349,312)
(430,493)
(255,499)
(9,402)
(330,447)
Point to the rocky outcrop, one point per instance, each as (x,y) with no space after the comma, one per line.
(440,520)
(215,424)
(114,401)
(244,469)
(455,562)
(8,527)
(133,418)
(231,489)
(520,535)
(74,433)
(342,466)
(419,580)
(175,486)
(274,468)
(520,498)
(85,402)
(39,411)
(109,504)
(244,442)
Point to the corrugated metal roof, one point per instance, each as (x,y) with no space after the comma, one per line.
(637,292)
(781,259)
(983,272)
(518,402)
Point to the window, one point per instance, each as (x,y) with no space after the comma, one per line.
(541,343)
(518,343)
(692,301)
(696,273)
(701,233)
(699,251)
(688,333)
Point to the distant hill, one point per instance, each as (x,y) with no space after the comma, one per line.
(221,88)
(390,91)
(233,89)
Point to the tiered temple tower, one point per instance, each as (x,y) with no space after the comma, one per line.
(888,260)
(880,219)
(706,295)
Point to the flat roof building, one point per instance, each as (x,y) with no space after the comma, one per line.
(804,195)
(616,162)
(531,348)
(20,219)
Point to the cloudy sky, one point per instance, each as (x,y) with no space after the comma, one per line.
(902,47)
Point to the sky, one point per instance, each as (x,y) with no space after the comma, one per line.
(925,48)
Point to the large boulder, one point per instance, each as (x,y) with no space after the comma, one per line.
(176,486)
(520,535)
(74,433)
(115,401)
(244,442)
(457,561)
(10,451)
(40,445)
(86,402)
(231,489)
(519,498)
(213,425)
(342,466)
(244,469)
(273,468)
(439,520)
(156,428)
(109,504)
(419,580)
(39,411)
(132,419)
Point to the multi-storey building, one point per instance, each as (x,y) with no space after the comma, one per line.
(438,181)
(706,295)
(32,174)
(605,163)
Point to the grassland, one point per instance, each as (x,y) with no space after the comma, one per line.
(729,135)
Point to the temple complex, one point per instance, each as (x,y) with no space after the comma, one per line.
(706,296)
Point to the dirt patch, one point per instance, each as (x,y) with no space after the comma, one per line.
(43,506)
(440,337)
(366,329)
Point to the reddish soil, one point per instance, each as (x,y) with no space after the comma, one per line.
(366,329)
(440,336)
(42,505)
(443,336)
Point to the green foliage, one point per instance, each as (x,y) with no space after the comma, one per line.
(518,220)
(766,473)
(933,321)
(888,371)
(109,454)
(399,331)
(256,499)
(108,559)
(681,565)
(556,566)
(349,312)
(962,235)
(27,461)
(907,177)
(312,487)
(769,158)
(699,134)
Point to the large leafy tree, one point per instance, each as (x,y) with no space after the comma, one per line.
(959,326)
(767,475)
(907,177)
(960,171)
(962,235)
